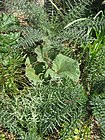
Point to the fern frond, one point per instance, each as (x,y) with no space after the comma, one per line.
(44,109)
(58,106)
(30,38)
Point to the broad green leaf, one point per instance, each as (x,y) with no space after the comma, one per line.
(51,73)
(64,66)
(30,72)
(38,51)
(42,52)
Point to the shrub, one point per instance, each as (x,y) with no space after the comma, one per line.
(43,109)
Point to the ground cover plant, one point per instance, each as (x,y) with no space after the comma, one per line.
(52,72)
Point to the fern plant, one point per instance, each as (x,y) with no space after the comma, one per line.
(19,114)
(44,109)
(57,107)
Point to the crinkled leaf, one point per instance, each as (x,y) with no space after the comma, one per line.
(64,66)
(30,72)
(38,51)
(51,73)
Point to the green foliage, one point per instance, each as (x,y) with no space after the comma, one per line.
(43,109)
(81,25)
(8,22)
(79,132)
(2,136)
(10,57)
(38,41)
(30,73)
(94,58)
(19,114)
(50,45)
(63,66)
(98,109)
(76,7)
(58,106)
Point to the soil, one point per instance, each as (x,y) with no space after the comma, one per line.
(5,135)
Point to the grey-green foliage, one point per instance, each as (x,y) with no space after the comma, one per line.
(41,36)
(77,6)
(95,65)
(61,104)
(99,85)
(43,109)
(30,38)
(40,31)
(33,13)
(37,18)
(10,57)
(19,114)
(96,71)
(89,33)
(82,30)
(98,109)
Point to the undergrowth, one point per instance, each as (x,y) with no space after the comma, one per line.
(44,109)
(52,69)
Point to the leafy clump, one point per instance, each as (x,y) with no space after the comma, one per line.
(10,57)
(64,66)
(19,114)
(58,105)
(47,59)
(43,109)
